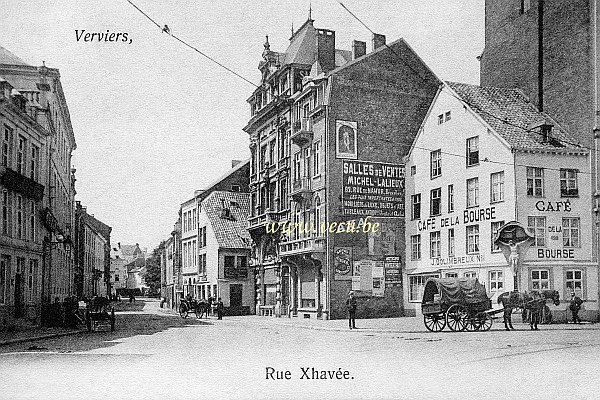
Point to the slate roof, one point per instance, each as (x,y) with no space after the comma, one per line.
(8,58)
(495,105)
(231,232)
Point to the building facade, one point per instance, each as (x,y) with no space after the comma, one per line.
(92,255)
(322,120)
(485,157)
(37,187)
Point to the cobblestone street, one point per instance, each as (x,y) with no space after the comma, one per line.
(155,354)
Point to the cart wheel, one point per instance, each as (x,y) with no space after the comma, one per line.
(456,317)
(434,322)
(484,321)
(472,323)
(183,311)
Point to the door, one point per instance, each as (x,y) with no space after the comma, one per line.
(235,295)
(18,295)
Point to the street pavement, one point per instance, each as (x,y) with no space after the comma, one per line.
(155,354)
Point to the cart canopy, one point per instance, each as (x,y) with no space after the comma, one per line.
(455,290)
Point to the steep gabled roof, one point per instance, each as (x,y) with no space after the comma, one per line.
(230,231)
(512,116)
(8,58)
(302,45)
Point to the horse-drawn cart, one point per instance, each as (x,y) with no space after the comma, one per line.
(458,303)
(98,315)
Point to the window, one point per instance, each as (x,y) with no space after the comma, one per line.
(317,225)
(317,159)
(229,262)
(473,239)
(236,188)
(436,163)
(31,280)
(537,227)
(497,187)
(21,155)
(263,157)
(116,277)
(4,281)
(574,281)
(448,116)
(495,226)
(297,167)
(451,246)
(413,170)
(436,202)
(416,206)
(415,244)
(451,275)
(7,146)
(5,213)
(34,162)
(539,279)
(435,244)
(496,281)
(472,192)
(440,119)
(417,285)
(568,183)
(272,152)
(570,228)
(32,235)
(20,219)
(450,198)
(525,6)
(470,274)
(535,182)
(473,151)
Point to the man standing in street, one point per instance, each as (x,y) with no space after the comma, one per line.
(219,309)
(351,306)
(575,306)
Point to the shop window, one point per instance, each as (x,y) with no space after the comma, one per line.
(540,279)
(574,282)
(451,275)
(470,274)
(417,285)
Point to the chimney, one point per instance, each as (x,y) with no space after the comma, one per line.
(235,162)
(326,49)
(378,41)
(359,49)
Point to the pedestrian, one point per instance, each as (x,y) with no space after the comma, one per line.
(536,303)
(351,307)
(219,309)
(575,306)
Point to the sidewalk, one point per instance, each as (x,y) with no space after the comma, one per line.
(37,333)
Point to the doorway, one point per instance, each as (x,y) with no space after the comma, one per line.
(235,295)
(18,295)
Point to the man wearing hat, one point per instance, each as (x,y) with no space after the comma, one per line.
(575,306)
(351,306)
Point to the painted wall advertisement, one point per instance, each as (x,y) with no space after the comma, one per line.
(393,269)
(372,189)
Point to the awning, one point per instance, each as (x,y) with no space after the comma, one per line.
(430,269)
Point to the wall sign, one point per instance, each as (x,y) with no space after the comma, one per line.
(345,134)
(393,269)
(343,263)
(471,259)
(373,189)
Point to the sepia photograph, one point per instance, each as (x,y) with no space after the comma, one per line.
(301,199)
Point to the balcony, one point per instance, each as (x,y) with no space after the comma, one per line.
(302,132)
(260,221)
(302,246)
(22,184)
(301,189)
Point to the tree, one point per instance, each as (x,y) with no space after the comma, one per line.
(152,273)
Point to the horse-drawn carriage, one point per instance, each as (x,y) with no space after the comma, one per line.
(192,305)
(457,303)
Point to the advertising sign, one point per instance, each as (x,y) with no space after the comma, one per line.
(372,189)
(393,269)
(343,263)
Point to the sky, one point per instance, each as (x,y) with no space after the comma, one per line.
(154,121)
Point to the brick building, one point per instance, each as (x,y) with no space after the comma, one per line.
(323,119)
(37,191)
(472,173)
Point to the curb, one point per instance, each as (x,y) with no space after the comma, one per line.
(34,338)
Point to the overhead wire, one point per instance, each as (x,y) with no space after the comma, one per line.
(167,31)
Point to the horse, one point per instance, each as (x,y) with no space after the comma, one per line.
(525,301)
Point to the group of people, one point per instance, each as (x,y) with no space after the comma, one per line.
(206,305)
